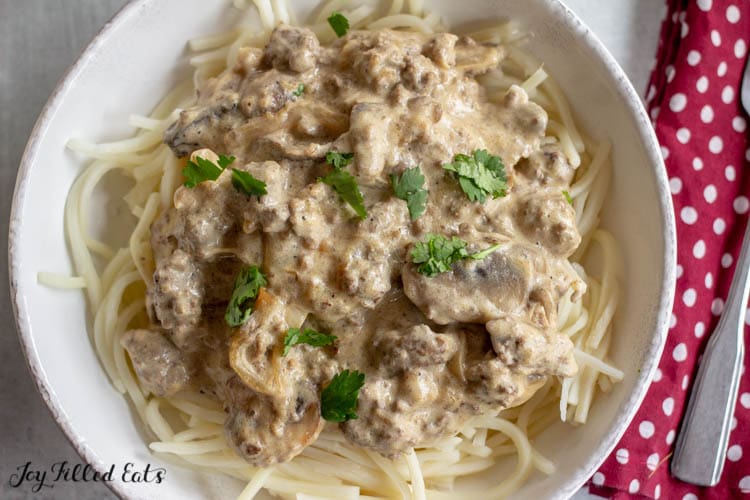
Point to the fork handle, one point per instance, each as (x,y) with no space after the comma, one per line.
(702,443)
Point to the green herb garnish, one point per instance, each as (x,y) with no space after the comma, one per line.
(300,90)
(309,336)
(339,23)
(344,183)
(567,197)
(338,401)
(246,288)
(479,175)
(437,253)
(244,182)
(339,160)
(409,187)
(202,169)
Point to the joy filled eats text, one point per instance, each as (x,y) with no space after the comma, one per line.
(30,476)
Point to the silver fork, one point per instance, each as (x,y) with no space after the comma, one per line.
(702,443)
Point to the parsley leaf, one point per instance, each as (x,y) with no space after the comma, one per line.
(339,160)
(300,90)
(568,197)
(201,170)
(436,255)
(339,23)
(309,336)
(410,188)
(244,182)
(204,170)
(338,401)
(345,185)
(479,175)
(246,288)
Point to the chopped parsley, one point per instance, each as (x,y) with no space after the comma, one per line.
(339,160)
(568,197)
(344,183)
(479,175)
(338,401)
(339,23)
(409,187)
(246,288)
(438,253)
(204,170)
(299,91)
(309,336)
(244,182)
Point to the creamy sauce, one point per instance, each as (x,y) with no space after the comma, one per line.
(435,350)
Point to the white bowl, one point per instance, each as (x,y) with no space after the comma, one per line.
(140,54)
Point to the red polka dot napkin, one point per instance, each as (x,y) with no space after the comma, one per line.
(693,99)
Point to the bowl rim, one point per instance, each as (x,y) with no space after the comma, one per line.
(614,74)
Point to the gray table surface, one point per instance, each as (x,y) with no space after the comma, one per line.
(39,39)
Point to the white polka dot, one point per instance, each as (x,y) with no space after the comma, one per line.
(730,173)
(727,95)
(670,437)
(678,102)
(672,321)
(685,29)
(646,429)
(697,163)
(657,492)
(622,456)
(744,484)
(709,282)
(702,84)
(739,124)
(690,496)
(733,425)
(693,58)
(668,406)
(707,114)
(657,375)
(680,270)
(716,145)
(747,154)
(717,305)
(654,112)
(651,93)
(704,5)
(709,193)
(664,152)
(747,317)
(741,204)
(683,135)
(745,400)
(669,71)
(734,453)
(598,479)
(700,329)
(634,486)
(726,260)
(699,249)
(740,48)
(685,382)
(675,185)
(680,352)
(688,215)
(721,69)
(719,225)
(715,38)
(733,14)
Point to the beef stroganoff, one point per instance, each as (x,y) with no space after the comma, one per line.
(357,266)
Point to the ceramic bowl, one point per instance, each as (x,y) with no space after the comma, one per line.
(141,53)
